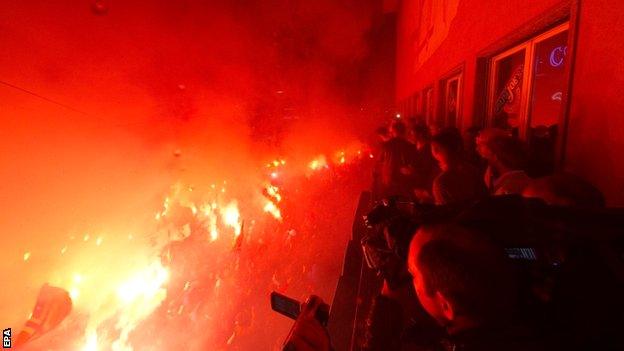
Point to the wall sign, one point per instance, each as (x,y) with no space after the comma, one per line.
(557,55)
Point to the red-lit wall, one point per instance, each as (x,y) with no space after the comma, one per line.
(464,30)
(595,147)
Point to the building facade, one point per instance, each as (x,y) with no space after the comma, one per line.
(550,71)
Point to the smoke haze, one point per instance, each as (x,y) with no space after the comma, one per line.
(104,109)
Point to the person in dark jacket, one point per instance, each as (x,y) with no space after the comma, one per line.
(462,281)
(459,182)
(396,163)
(509,160)
(425,168)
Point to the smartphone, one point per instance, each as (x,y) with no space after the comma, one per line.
(291,308)
(285,305)
(521,253)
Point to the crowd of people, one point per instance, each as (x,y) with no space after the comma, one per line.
(460,276)
(450,168)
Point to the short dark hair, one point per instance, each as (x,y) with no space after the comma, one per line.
(450,140)
(473,130)
(469,270)
(383,131)
(421,132)
(398,127)
(511,152)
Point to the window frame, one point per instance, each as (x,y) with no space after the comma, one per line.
(428,105)
(416,104)
(459,77)
(527,77)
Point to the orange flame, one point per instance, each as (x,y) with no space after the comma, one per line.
(318,163)
(272,209)
(230,216)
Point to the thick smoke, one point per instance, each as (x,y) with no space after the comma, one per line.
(104,108)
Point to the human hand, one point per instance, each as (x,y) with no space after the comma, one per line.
(423,196)
(406,170)
(308,334)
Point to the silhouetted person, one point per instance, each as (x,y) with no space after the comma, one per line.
(483,149)
(542,150)
(462,281)
(396,163)
(425,167)
(509,160)
(459,182)
(382,135)
(467,285)
(470,148)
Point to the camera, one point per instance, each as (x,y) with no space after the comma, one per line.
(391,224)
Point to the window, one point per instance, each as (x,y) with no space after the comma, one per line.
(410,107)
(427,106)
(508,73)
(452,101)
(401,107)
(414,111)
(526,93)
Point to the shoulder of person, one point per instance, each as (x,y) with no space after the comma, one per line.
(441,179)
(468,167)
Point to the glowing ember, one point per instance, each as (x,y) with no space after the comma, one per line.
(118,295)
(214,234)
(209,213)
(318,163)
(273,192)
(164,211)
(271,208)
(276,163)
(145,285)
(231,217)
(92,341)
(137,297)
(74,293)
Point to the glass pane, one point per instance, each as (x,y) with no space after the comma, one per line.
(416,105)
(428,106)
(548,88)
(508,92)
(452,91)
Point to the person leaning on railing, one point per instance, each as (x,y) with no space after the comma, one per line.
(462,280)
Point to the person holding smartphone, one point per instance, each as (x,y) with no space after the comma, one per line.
(464,282)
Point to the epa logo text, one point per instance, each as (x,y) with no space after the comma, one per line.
(6,338)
